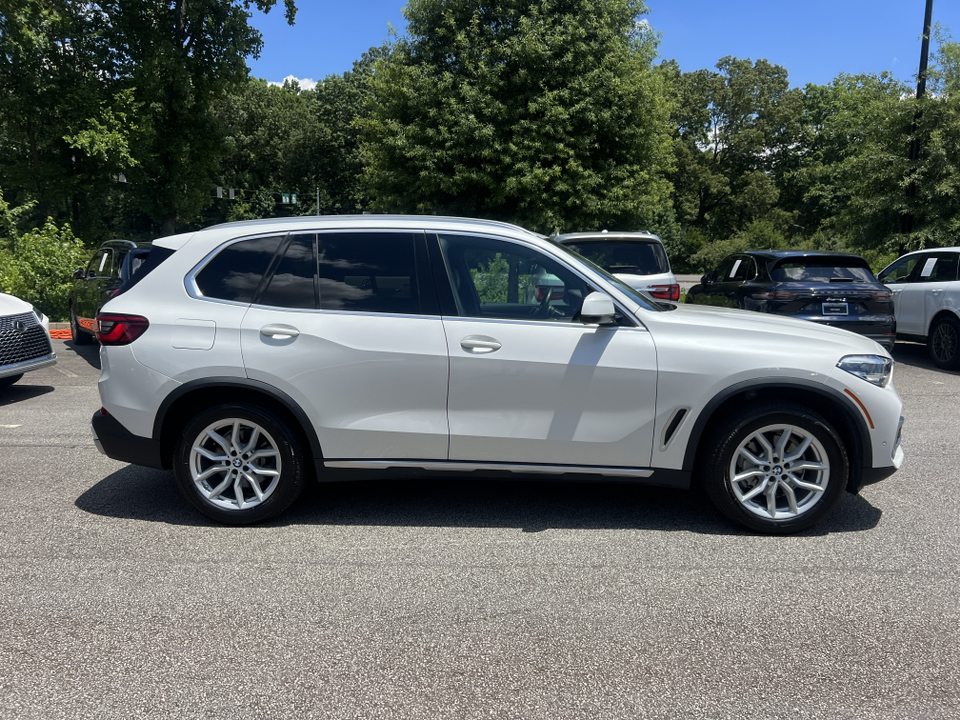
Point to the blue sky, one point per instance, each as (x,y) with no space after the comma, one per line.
(815,40)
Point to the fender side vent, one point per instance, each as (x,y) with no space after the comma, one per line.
(673,425)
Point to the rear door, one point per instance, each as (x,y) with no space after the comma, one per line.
(923,296)
(347,328)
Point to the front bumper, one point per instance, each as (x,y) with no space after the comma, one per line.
(115,441)
(28,365)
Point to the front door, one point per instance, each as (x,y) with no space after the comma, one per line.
(529,382)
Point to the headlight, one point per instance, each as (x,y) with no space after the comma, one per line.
(875,369)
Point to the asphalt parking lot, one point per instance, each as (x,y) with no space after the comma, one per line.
(467,599)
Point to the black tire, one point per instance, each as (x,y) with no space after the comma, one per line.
(9,380)
(761,499)
(943,343)
(80,336)
(252,491)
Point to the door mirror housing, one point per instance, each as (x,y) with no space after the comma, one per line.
(598,309)
(706,279)
(79,274)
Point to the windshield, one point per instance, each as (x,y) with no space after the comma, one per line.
(638,297)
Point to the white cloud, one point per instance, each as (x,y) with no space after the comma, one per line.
(305,83)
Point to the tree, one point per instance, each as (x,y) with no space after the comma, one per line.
(734,136)
(64,124)
(179,58)
(543,112)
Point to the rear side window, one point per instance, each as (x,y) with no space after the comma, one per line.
(633,258)
(367,272)
(236,271)
(822,270)
(939,268)
(293,283)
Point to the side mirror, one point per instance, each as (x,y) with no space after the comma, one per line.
(707,279)
(598,308)
(78,274)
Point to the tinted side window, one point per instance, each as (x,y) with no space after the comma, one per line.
(236,272)
(118,259)
(292,284)
(368,272)
(941,267)
(724,272)
(498,279)
(744,269)
(902,270)
(101,264)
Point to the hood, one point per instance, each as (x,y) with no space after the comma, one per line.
(10,305)
(763,331)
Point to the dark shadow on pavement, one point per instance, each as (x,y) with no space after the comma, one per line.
(915,355)
(20,393)
(90,353)
(152,495)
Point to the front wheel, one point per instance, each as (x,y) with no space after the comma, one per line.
(239,464)
(944,343)
(776,469)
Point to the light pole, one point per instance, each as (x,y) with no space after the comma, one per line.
(906,224)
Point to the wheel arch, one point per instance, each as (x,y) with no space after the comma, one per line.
(825,401)
(192,397)
(951,312)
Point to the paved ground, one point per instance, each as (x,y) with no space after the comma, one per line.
(470,599)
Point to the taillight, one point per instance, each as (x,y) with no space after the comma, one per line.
(883,295)
(556,293)
(120,329)
(665,292)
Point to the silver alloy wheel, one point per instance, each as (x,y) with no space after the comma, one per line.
(943,342)
(779,472)
(235,464)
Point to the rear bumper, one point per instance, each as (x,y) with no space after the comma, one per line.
(115,441)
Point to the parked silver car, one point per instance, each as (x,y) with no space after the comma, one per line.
(926,299)
(24,340)
(252,357)
(637,258)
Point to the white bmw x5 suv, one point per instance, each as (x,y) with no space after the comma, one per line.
(253,357)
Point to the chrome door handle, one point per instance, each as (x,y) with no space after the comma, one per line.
(937,291)
(479,344)
(280,332)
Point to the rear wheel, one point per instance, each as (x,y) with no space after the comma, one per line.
(239,464)
(775,468)
(79,336)
(943,343)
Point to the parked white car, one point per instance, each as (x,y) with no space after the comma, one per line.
(24,340)
(637,258)
(251,357)
(926,299)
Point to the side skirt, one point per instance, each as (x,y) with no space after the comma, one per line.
(340,470)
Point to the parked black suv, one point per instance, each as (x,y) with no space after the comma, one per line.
(112,265)
(829,288)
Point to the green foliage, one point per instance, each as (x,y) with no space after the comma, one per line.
(543,112)
(39,269)
(735,135)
